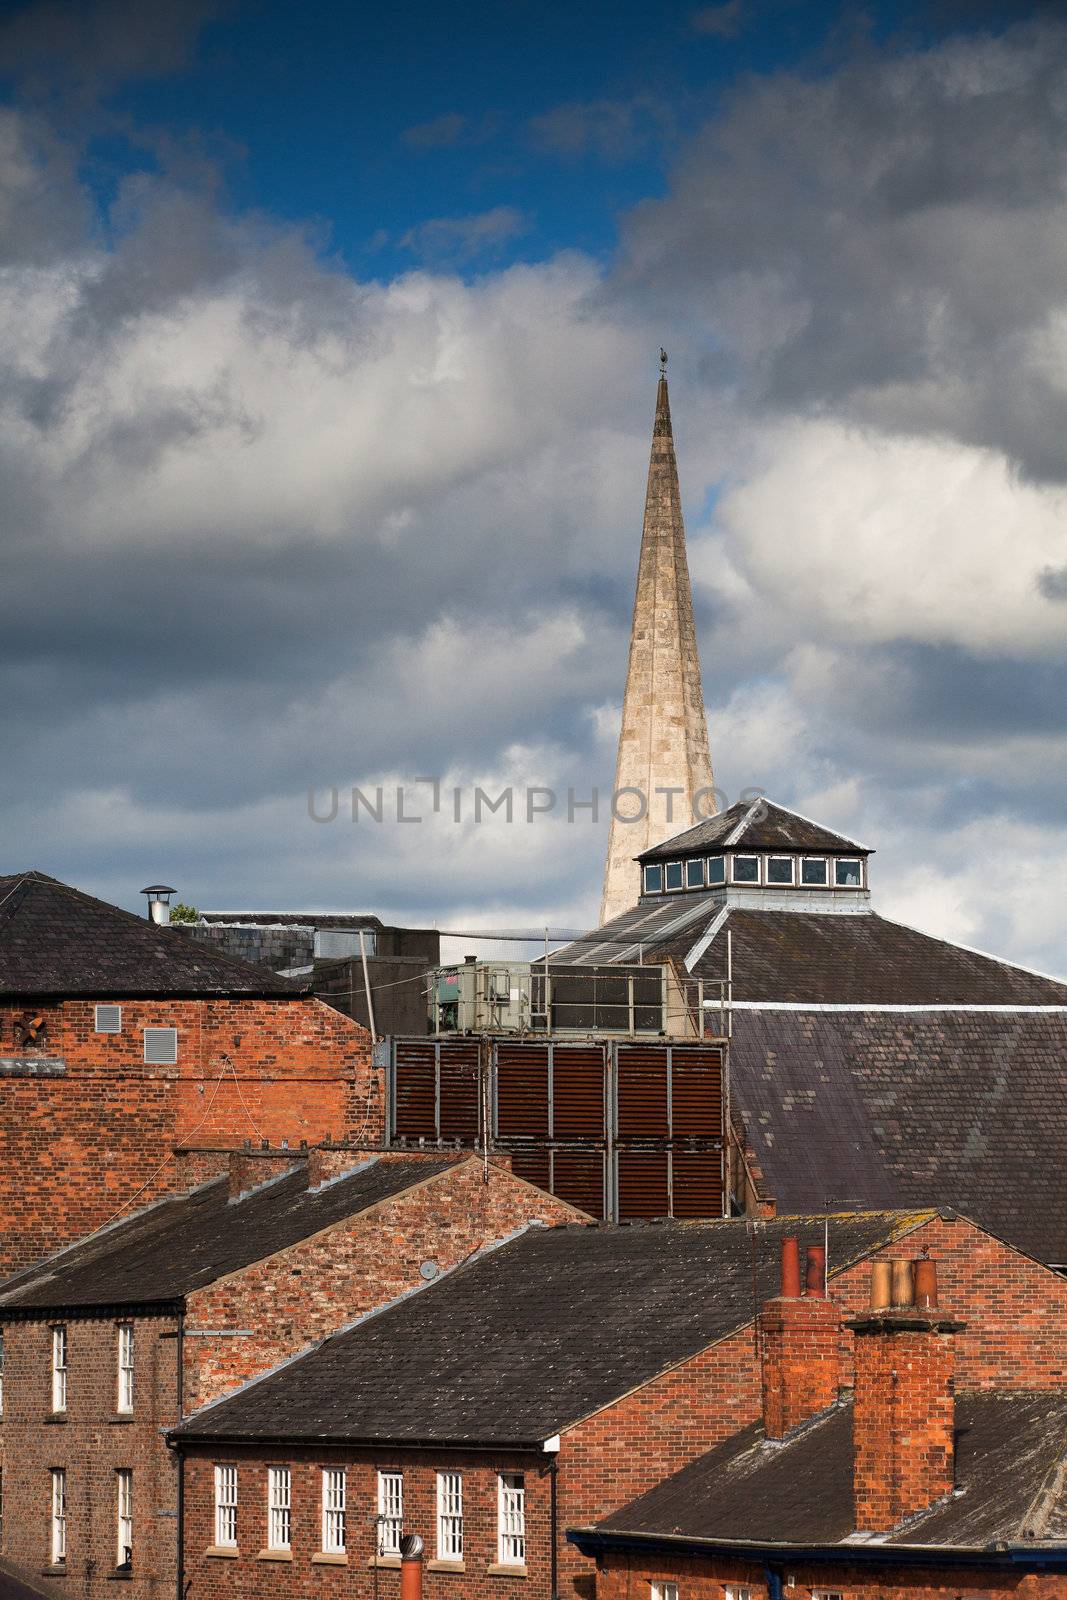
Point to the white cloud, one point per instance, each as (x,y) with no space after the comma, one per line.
(852,535)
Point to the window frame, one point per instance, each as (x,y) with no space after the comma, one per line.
(776,883)
(449,1545)
(279,1507)
(824,862)
(123,1515)
(124,1390)
(738,1591)
(390,1478)
(97,1028)
(173,1061)
(710,861)
(511,1543)
(58,1523)
(752,883)
(226,1509)
(646,887)
(680,885)
(334,1534)
(693,861)
(662,1589)
(60,1367)
(848,861)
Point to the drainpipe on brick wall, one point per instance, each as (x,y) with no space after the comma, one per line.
(773,1581)
(551,1448)
(179,1564)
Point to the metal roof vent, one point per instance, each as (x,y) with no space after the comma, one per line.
(159,902)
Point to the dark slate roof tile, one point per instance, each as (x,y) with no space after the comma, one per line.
(961,1109)
(1010,1449)
(55,940)
(766,826)
(534,1335)
(168,1250)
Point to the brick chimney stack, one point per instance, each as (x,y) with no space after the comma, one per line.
(904,1412)
(799,1338)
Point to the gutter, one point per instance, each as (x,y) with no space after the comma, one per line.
(1052,1558)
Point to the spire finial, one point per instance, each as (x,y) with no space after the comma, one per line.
(662,362)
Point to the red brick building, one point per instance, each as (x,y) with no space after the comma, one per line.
(903,1477)
(120,1040)
(191,1297)
(543,1386)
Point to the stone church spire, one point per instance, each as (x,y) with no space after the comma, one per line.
(663,742)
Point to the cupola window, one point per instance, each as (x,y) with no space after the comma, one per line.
(694,874)
(780,869)
(848,874)
(746,869)
(674,875)
(717,869)
(654,879)
(814,872)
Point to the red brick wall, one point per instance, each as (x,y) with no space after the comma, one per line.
(800,1340)
(91,1443)
(903,1421)
(627,1575)
(1016,1335)
(250,1577)
(75,1149)
(310,1289)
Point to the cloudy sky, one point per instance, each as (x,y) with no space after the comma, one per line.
(326,378)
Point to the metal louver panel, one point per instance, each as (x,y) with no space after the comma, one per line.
(644,1184)
(578,1178)
(458,1115)
(696,1091)
(698,1183)
(522,1090)
(415,1089)
(643,1100)
(533,1164)
(578,1091)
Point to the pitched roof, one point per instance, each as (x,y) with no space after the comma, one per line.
(860,959)
(911,1108)
(434,1367)
(754,825)
(168,1250)
(811,957)
(1009,1460)
(56,940)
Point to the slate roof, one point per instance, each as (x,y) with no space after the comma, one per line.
(966,1109)
(815,957)
(862,958)
(503,1351)
(1010,1451)
(168,1250)
(766,826)
(55,940)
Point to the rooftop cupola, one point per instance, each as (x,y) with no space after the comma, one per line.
(760,854)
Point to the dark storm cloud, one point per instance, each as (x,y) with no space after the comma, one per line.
(92,46)
(886,242)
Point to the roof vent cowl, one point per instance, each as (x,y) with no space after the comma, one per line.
(159,902)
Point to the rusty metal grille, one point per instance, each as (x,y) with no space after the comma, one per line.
(522,1090)
(415,1089)
(643,1184)
(643,1091)
(696,1091)
(578,1074)
(578,1178)
(697,1183)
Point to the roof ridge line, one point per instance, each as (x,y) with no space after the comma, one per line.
(707,938)
(793,812)
(735,833)
(972,949)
